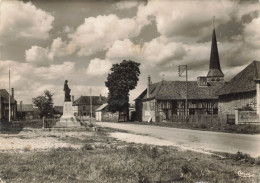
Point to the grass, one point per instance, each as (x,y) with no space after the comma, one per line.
(242,129)
(103,159)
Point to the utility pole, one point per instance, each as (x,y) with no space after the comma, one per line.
(9,119)
(181,69)
(90,106)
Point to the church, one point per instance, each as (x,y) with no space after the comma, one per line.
(166,100)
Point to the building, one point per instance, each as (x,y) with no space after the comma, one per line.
(25,111)
(241,91)
(82,104)
(4,105)
(166,99)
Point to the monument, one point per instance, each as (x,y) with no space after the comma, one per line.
(67,119)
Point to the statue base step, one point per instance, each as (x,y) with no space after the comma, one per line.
(67,121)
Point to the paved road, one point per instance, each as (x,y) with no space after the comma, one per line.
(209,141)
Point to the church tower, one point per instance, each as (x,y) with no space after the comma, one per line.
(215,74)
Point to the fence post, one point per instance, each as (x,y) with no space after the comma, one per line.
(43,118)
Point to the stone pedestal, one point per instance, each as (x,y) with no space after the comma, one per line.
(67,119)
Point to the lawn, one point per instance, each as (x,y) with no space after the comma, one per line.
(104,159)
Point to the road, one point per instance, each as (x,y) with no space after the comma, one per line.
(195,139)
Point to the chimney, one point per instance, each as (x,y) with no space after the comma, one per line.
(148,86)
(12,92)
(72,98)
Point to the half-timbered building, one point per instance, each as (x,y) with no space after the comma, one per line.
(165,99)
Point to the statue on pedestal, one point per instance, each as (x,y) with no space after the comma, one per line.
(67,91)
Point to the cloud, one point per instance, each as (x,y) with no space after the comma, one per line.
(24,20)
(67,29)
(98,67)
(126,5)
(252,34)
(154,52)
(37,55)
(30,81)
(43,56)
(184,20)
(99,33)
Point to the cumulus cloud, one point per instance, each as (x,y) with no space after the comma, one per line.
(252,34)
(98,67)
(99,33)
(126,5)
(67,29)
(24,20)
(37,55)
(30,81)
(43,56)
(154,52)
(182,20)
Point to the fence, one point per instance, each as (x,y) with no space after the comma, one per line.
(49,122)
(246,117)
(37,123)
(209,119)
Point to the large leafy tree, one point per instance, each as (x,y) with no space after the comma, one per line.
(45,104)
(120,81)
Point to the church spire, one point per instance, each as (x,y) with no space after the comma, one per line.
(214,66)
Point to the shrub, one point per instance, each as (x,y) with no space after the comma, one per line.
(239,156)
(87,147)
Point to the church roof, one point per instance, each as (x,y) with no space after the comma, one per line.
(214,66)
(243,81)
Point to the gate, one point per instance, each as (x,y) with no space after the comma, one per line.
(230,119)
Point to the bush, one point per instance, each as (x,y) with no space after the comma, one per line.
(87,147)
(239,156)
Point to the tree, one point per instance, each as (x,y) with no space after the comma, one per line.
(120,81)
(45,104)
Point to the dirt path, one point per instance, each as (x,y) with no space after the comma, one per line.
(143,139)
(37,140)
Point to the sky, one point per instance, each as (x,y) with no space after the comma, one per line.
(45,42)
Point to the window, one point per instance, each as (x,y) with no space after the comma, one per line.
(215,111)
(191,111)
(84,108)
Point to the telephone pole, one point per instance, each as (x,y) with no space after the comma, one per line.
(90,101)
(9,119)
(181,69)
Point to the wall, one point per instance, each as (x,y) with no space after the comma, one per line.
(228,103)
(85,109)
(148,112)
(243,117)
(109,116)
(138,109)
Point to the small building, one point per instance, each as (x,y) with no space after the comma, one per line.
(102,114)
(4,105)
(25,111)
(82,104)
(241,91)
(165,100)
